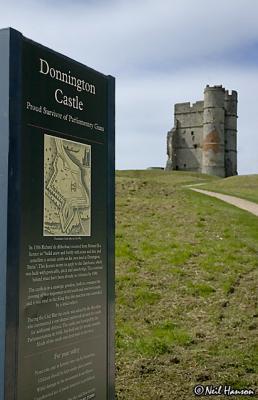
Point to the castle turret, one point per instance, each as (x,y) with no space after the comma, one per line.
(231,133)
(213,146)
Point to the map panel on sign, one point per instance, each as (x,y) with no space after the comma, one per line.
(67,187)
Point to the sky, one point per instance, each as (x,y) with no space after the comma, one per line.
(161,53)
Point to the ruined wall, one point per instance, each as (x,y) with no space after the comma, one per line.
(203,138)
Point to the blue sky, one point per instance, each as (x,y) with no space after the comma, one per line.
(161,53)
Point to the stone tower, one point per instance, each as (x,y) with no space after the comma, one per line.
(231,133)
(204,135)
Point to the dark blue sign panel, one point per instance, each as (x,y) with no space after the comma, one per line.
(59,267)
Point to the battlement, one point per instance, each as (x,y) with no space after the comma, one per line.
(185,108)
(231,95)
(215,87)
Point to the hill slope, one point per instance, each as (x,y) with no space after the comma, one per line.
(244,186)
(186,288)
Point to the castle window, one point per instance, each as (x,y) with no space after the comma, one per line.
(195,146)
(176,166)
(192,132)
(184,165)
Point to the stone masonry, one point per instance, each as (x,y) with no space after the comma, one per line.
(204,136)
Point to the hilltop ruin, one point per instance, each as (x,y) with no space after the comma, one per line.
(204,136)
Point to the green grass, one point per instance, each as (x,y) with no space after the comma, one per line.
(186,288)
(245,186)
(161,340)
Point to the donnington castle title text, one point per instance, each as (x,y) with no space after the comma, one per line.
(67,78)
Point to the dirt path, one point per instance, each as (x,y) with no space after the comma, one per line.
(236,201)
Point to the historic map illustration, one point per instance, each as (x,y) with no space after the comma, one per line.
(67,191)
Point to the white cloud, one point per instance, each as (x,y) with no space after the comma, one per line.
(161,53)
(127,34)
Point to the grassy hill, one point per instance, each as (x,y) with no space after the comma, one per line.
(244,186)
(186,287)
